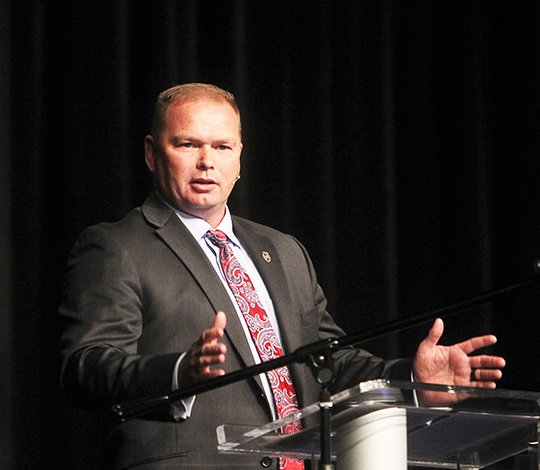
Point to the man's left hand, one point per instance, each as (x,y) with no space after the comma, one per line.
(452,365)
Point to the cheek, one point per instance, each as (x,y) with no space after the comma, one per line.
(172,170)
(235,167)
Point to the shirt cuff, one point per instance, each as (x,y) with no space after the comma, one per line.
(181,409)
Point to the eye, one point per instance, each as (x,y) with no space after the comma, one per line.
(223,147)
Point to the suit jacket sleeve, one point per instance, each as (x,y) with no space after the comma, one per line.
(353,365)
(102,316)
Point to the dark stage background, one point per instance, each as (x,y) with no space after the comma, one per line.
(398,140)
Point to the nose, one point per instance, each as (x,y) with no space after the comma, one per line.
(205,161)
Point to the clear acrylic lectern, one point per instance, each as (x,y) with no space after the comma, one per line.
(378,425)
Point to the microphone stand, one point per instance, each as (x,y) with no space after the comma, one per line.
(318,356)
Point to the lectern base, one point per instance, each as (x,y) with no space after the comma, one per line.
(375,441)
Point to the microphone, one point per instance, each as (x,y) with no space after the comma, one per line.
(235,180)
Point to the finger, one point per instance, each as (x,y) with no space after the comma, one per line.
(201,366)
(212,349)
(208,349)
(482,384)
(478,342)
(211,335)
(489,362)
(434,334)
(220,321)
(211,373)
(213,357)
(199,355)
(206,361)
(486,374)
(216,329)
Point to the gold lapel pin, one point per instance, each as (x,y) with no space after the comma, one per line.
(266,256)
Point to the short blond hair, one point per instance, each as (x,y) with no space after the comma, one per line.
(189,92)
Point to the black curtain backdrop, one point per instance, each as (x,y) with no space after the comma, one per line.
(398,140)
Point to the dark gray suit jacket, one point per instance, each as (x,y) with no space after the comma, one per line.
(139,292)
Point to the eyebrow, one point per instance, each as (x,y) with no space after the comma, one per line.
(176,139)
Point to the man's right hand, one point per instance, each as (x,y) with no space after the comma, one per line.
(207,351)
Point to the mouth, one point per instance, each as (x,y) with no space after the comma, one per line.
(203,184)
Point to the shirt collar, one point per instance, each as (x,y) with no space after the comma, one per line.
(198,227)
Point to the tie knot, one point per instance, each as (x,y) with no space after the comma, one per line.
(217,237)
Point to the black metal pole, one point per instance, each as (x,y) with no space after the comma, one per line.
(325,430)
(136,408)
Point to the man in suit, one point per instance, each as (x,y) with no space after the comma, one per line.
(148,308)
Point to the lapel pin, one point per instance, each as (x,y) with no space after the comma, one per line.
(266,256)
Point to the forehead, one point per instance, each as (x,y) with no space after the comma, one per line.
(203,115)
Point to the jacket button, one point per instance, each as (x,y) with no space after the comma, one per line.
(266,462)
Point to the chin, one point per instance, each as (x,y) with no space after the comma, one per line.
(203,207)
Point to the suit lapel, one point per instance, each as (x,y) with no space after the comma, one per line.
(268,262)
(178,238)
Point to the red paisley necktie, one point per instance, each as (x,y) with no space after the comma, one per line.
(263,335)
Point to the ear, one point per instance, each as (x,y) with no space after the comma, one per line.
(240,158)
(150,152)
